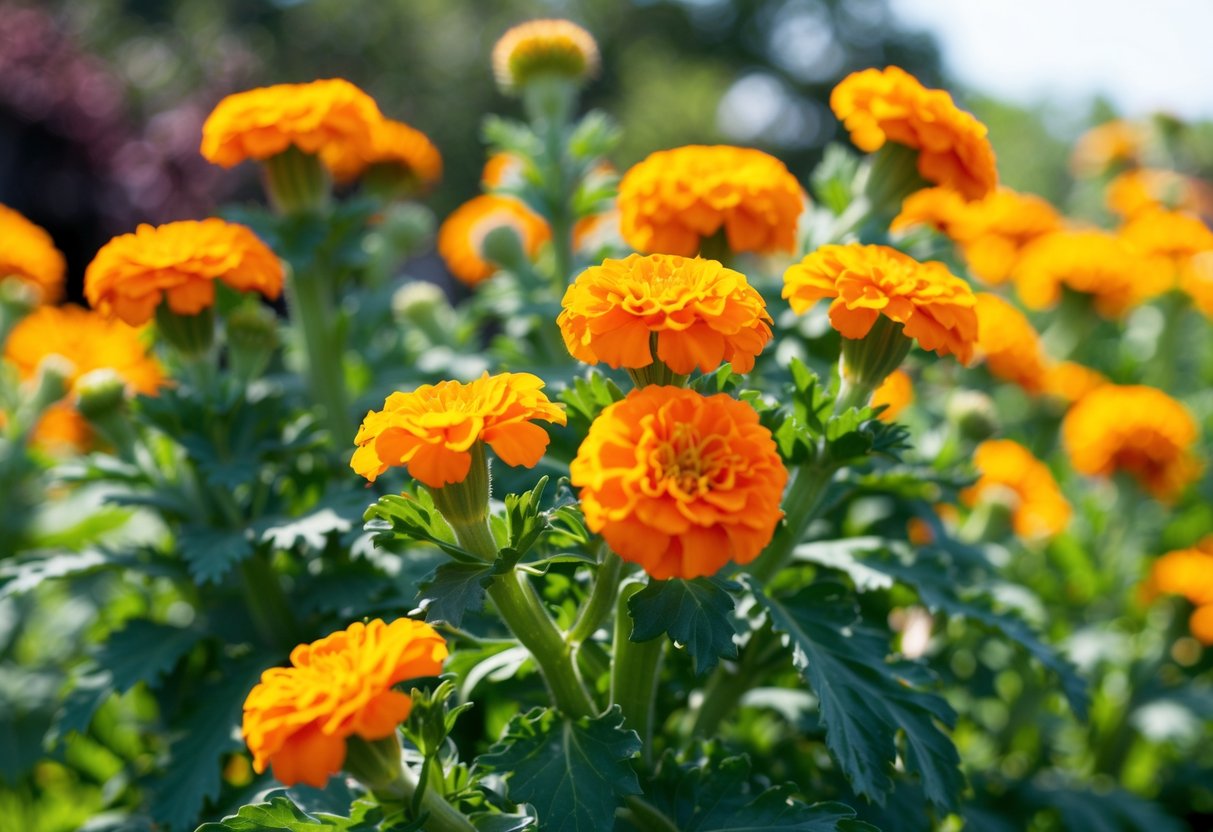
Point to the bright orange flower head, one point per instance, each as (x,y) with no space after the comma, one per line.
(890,105)
(461,237)
(1142,190)
(1139,430)
(298,718)
(1009,344)
(935,307)
(1070,381)
(1041,510)
(675,199)
(1186,572)
(332,119)
(1170,240)
(540,48)
(394,144)
(431,430)
(680,483)
(897,392)
(29,254)
(1094,263)
(700,313)
(178,262)
(1197,282)
(1111,143)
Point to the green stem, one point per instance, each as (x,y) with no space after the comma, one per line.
(378,766)
(644,815)
(296,182)
(315,317)
(602,598)
(801,506)
(725,689)
(267,603)
(635,669)
(852,394)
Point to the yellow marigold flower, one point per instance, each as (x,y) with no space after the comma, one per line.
(1070,381)
(179,263)
(433,429)
(503,170)
(890,105)
(541,48)
(941,209)
(461,237)
(298,718)
(1144,189)
(680,483)
(332,119)
(29,254)
(1094,263)
(675,199)
(1009,344)
(1111,143)
(699,313)
(897,392)
(935,307)
(1170,240)
(1041,510)
(394,144)
(1139,430)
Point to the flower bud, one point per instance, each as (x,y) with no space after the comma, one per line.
(252,337)
(868,361)
(52,382)
(973,414)
(544,49)
(465,504)
(424,306)
(100,392)
(891,177)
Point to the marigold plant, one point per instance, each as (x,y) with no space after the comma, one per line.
(1170,240)
(894,395)
(1186,572)
(541,48)
(394,145)
(29,254)
(1115,142)
(1095,263)
(1009,344)
(461,237)
(1142,190)
(1039,508)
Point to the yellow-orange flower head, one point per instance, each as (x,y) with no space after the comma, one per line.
(332,119)
(897,392)
(675,199)
(1070,381)
(1170,240)
(1114,142)
(1041,509)
(298,718)
(1186,572)
(1093,263)
(1139,430)
(680,483)
(544,48)
(1141,190)
(461,237)
(935,307)
(890,105)
(1009,344)
(28,253)
(394,144)
(431,430)
(179,263)
(700,313)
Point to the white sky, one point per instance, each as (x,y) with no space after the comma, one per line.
(1145,55)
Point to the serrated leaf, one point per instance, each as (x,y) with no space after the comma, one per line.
(20,576)
(413,517)
(211,553)
(865,700)
(279,813)
(575,773)
(454,589)
(696,614)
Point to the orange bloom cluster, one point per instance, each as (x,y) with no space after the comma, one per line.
(1186,572)
(680,483)
(1009,344)
(897,392)
(179,263)
(1170,240)
(331,118)
(392,143)
(1139,430)
(461,237)
(431,430)
(1111,143)
(298,718)
(890,105)
(1197,282)
(991,232)
(1094,263)
(675,199)
(1070,381)
(29,254)
(701,314)
(1041,510)
(544,48)
(1141,190)
(936,308)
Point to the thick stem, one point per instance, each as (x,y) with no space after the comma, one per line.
(315,318)
(602,598)
(378,766)
(267,603)
(801,506)
(725,688)
(635,669)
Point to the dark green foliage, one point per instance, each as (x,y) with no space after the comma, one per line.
(696,614)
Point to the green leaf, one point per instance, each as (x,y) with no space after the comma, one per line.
(696,614)
(413,517)
(586,397)
(453,589)
(834,179)
(278,813)
(865,700)
(525,522)
(20,576)
(573,772)
(211,553)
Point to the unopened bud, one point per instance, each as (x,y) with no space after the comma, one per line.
(973,414)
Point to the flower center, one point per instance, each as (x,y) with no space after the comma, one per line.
(689,464)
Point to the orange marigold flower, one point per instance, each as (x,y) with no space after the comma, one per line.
(700,313)
(433,429)
(1186,572)
(1145,189)
(1138,430)
(1070,381)
(1197,282)
(1091,262)
(298,718)
(178,262)
(332,119)
(675,199)
(1009,344)
(1041,510)
(62,430)
(461,237)
(1201,624)
(890,105)
(935,307)
(29,254)
(1113,142)
(680,483)
(503,170)
(544,48)
(394,144)
(897,392)
(1170,240)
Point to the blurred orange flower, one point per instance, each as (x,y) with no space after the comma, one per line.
(890,105)
(544,48)
(1070,381)
(675,199)
(897,392)
(1090,262)
(700,313)
(680,483)
(394,143)
(936,308)
(298,718)
(1186,572)
(29,254)
(502,170)
(1009,344)
(433,429)
(178,262)
(1170,240)
(1139,430)
(1144,189)
(461,237)
(1111,143)
(1041,509)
